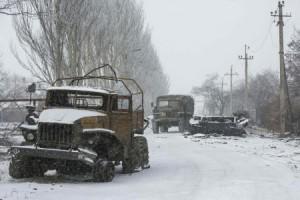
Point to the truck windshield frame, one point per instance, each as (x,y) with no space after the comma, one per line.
(169,103)
(76,99)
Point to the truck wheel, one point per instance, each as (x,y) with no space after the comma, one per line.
(73,168)
(181,125)
(37,169)
(155,127)
(164,129)
(187,125)
(19,167)
(66,170)
(104,171)
(143,151)
(131,163)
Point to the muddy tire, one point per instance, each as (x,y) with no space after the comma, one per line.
(143,151)
(181,125)
(138,156)
(131,163)
(20,167)
(64,170)
(155,127)
(103,171)
(73,168)
(37,168)
(164,129)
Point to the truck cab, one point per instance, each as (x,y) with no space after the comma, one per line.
(172,110)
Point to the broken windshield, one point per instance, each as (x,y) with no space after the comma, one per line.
(76,99)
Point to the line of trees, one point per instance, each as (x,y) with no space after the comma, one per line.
(293,72)
(263,93)
(12,86)
(215,99)
(66,38)
(263,98)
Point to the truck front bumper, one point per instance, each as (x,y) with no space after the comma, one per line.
(83,155)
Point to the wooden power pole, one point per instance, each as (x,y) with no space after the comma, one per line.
(246,57)
(285,108)
(231,74)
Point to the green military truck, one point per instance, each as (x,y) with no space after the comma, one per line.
(172,110)
(85,130)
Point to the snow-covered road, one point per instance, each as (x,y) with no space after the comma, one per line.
(184,168)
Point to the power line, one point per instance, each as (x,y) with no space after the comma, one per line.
(260,47)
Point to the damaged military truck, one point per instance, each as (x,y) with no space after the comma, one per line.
(86,130)
(172,110)
(227,126)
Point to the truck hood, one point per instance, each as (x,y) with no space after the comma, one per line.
(66,116)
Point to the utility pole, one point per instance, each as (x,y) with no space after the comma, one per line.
(246,58)
(222,97)
(231,74)
(285,107)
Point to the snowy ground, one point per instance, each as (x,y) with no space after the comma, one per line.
(184,168)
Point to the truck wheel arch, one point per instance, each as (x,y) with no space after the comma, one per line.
(106,142)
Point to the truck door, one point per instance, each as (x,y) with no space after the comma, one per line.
(121,118)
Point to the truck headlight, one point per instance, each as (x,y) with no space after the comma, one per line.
(91,141)
(30,136)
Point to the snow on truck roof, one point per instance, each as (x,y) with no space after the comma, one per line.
(83,89)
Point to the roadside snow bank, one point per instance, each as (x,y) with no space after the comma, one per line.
(221,168)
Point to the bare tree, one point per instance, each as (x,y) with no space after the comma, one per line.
(214,98)
(293,71)
(294,65)
(263,89)
(12,86)
(71,37)
(9,7)
(54,49)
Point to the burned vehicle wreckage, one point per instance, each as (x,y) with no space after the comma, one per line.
(85,130)
(172,110)
(227,126)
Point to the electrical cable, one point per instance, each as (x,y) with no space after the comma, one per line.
(261,46)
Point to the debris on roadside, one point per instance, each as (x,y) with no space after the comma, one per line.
(217,126)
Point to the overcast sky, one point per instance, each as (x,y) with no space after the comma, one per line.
(195,38)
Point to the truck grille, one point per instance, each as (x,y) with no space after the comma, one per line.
(55,134)
(168,115)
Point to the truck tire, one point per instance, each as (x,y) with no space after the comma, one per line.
(130,163)
(20,167)
(73,168)
(143,151)
(103,171)
(181,125)
(37,168)
(138,155)
(155,127)
(163,129)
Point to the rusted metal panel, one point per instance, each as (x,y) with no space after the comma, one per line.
(121,123)
(138,119)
